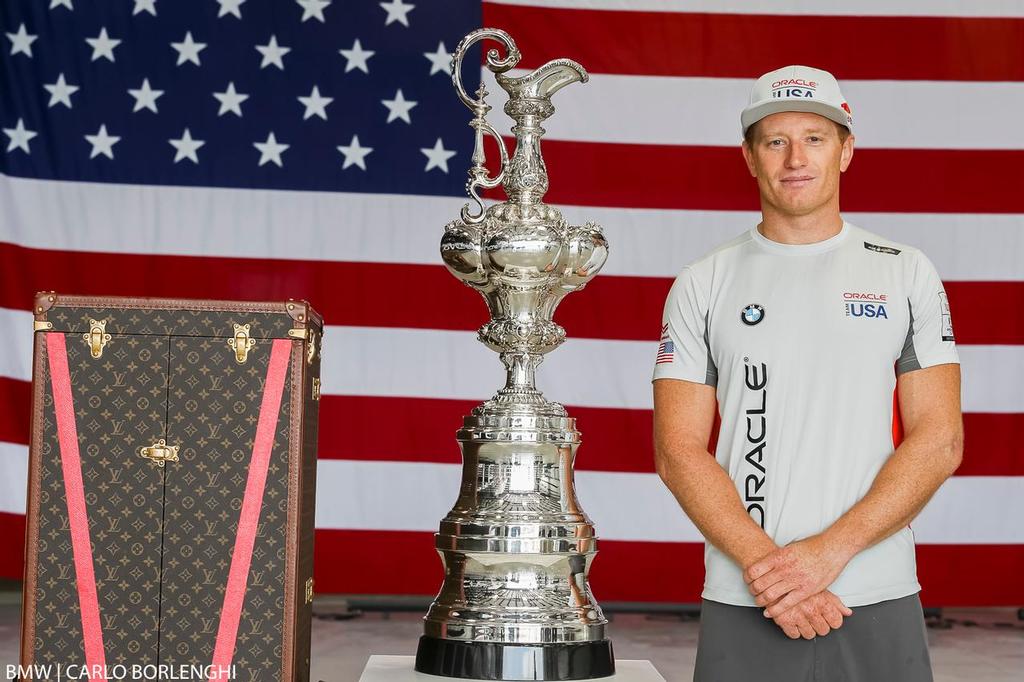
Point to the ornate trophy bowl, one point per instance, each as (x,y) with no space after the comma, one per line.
(516,547)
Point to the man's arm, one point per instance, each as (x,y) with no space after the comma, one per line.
(931,451)
(684,414)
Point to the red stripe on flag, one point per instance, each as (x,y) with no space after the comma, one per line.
(692,177)
(611,307)
(734,45)
(393,562)
(15,417)
(423,430)
(12,535)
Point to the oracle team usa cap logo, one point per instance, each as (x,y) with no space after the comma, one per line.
(752,314)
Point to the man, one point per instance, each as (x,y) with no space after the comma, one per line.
(814,336)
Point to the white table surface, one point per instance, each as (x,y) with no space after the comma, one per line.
(400,669)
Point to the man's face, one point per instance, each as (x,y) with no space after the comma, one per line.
(797,158)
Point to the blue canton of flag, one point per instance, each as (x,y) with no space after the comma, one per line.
(293,94)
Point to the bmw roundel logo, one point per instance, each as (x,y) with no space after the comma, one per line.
(752,314)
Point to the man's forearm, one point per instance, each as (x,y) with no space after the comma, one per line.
(708,496)
(899,492)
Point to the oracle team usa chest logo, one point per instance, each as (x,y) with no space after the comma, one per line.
(752,314)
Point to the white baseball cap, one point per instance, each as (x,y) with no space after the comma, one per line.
(797,88)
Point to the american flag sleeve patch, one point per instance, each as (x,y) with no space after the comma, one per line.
(666,349)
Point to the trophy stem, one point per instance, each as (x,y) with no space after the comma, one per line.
(526,182)
(520,386)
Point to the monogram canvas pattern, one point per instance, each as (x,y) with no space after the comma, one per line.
(162,537)
(120,405)
(215,323)
(213,411)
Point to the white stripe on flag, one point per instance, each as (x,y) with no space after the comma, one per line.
(432,363)
(624,506)
(144,219)
(706,111)
(910,8)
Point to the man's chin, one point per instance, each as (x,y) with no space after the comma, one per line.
(796,207)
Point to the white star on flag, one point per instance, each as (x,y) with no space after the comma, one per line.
(398,107)
(144,6)
(186,147)
(188,50)
(272,53)
(19,137)
(356,57)
(315,104)
(397,11)
(22,41)
(440,61)
(145,97)
(103,45)
(61,3)
(230,100)
(102,143)
(60,92)
(355,155)
(270,150)
(230,7)
(313,9)
(437,156)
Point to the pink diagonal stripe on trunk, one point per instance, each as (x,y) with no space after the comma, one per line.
(249,517)
(74,492)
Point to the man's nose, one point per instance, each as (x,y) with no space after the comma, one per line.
(796,158)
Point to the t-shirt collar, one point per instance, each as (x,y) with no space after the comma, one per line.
(801,249)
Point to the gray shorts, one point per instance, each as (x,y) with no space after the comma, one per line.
(878,643)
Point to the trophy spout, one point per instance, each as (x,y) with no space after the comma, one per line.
(544,81)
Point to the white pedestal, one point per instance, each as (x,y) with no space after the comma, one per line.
(400,669)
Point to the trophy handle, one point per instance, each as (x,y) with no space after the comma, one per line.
(494,63)
(478,177)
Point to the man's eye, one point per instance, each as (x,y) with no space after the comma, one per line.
(814,138)
(775,143)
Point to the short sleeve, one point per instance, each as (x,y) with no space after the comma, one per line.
(929,338)
(684,349)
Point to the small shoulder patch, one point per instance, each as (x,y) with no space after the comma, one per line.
(881,249)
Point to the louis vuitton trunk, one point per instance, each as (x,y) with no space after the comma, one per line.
(172,473)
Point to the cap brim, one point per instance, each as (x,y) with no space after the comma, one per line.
(755,112)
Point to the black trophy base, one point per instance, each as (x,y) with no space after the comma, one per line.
(498,661)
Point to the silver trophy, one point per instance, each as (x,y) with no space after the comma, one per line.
(516,547)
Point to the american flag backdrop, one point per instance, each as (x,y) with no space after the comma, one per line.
(267,149)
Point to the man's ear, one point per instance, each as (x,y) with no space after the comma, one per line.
(846,155)
(748,157)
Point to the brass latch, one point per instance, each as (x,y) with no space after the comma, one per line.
(306,334)
(316,388)
(160,452)
(311,351)
(241,343)
(97,337)
(309,590)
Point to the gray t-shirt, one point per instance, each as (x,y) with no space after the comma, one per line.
(803,344)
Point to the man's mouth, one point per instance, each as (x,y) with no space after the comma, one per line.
(797,180)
